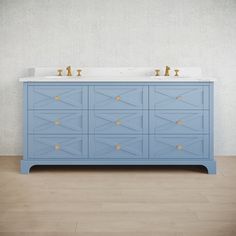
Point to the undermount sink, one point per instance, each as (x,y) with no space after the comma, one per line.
(61,77)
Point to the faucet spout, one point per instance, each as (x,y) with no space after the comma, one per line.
(69,71)
(167,71)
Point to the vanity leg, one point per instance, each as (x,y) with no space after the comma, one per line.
(211,167)
(25,167)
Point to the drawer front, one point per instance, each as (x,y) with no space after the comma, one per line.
(118,121)
(57,97)
(179,122)
(179,97)
(118,146)
(179,146)
(118,97)
(57,147)
(57,122)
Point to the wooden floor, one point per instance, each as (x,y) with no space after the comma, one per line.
(109,201)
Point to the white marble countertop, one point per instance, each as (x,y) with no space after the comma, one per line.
(114,79)
(117,74)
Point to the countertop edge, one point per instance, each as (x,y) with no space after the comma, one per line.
(118,79)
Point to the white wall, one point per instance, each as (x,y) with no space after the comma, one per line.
(117,33)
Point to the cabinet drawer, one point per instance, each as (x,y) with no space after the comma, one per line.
(57,146)
(179,146)
(118,146)
(57,97)
(179,122)
(118,97)
(179,97)
(57,122)
(118,121)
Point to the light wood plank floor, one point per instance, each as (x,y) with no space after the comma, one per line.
(109,201)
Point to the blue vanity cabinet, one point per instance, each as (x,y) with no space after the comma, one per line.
(118,123)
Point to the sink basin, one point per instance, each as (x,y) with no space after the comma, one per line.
(168,77)
(61,77)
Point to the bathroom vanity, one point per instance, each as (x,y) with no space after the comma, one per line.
(118,116)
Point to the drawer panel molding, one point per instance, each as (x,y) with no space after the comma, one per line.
(58,122)
(179,122)
(179,146)
(179,97)
(58,147)
(118,146)
(118,121)
(58,97)
(118,97)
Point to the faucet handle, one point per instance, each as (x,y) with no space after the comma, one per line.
(176,72)
(157,72)
(59,72)
(79,72)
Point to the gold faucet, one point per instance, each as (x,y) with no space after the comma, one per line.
(69,71)
(167,71)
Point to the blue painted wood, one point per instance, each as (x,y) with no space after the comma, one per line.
(179,97)
(57,97)
(113,83)
(58,146)
(179,146)
(118,97)
(179,121)
(212,169)
(210,165)
(58,121)
(139,128)
(118,146)
(25,120)
(118,122)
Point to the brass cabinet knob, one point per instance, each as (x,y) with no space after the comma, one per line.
(179,98)
(57,122)
(118,98)
(57,98)
(179,147)
(57,147)
(179,122)
(118,122)
(118,147)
